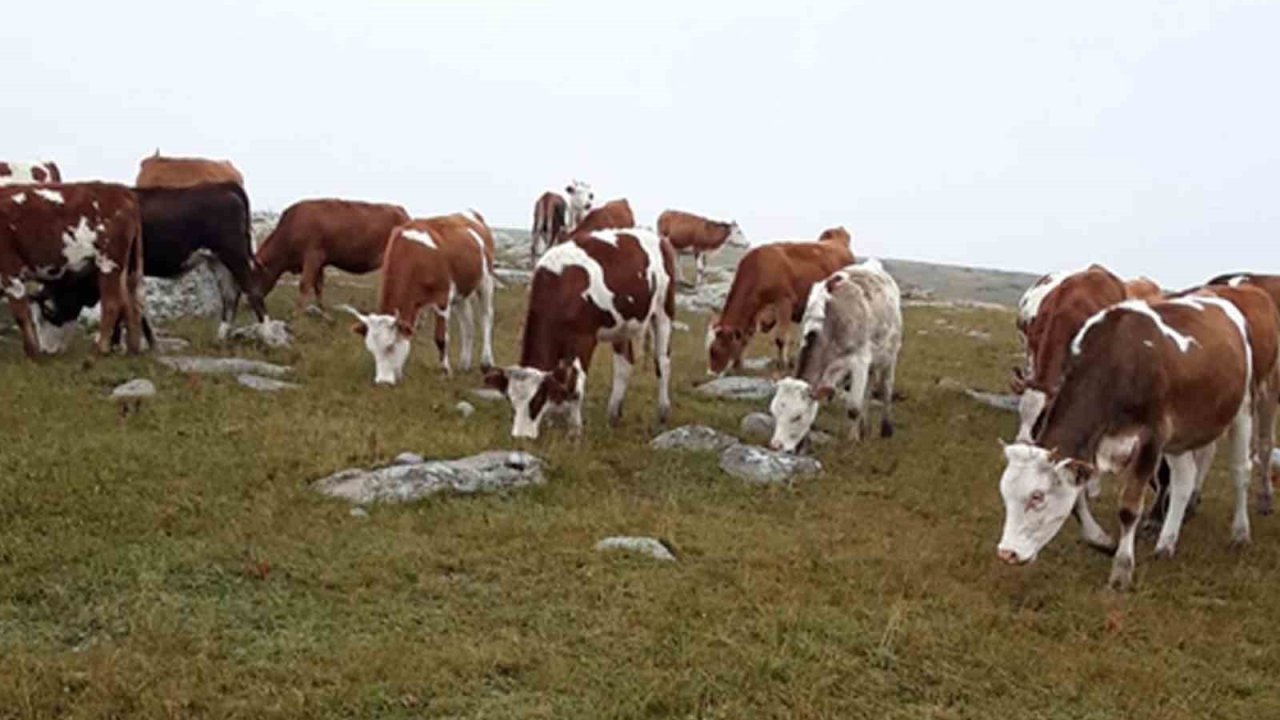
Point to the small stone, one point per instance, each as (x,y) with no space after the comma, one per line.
(979,335)
(679,326)
(652,547)
(738,388)
(171,344)
(758,466)
(134,390)
(487,393)
(359,512)
(272,333)
(947,383)
(757,425)
(465,409)
(408,458)
(757,363)
(261,384)
(693,437)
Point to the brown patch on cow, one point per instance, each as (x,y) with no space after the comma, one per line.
(1062,313)
(613,215)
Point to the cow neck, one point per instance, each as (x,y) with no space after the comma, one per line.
(545,342)
(738,311)
(1078,416)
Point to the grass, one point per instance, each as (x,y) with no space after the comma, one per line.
(176,564)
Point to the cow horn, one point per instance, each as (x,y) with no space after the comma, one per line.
(355,313)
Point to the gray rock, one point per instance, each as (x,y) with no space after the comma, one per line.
(708,298)
(737,387)
(171,344)
(492,471)
(693,437)
(513,276)
(222,366)
(652,547)
(262,384)
(465,409)
(995,400)
(134,390)
(272,333)
(757,425)
(679,326)
(359,512)
(758,466)
(487,393)
(757,363)
(408,458)
(982,335)
(193,294)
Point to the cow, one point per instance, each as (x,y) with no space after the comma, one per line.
(695,235)
(852,328)
(313,234)
(607,286)
(1142,381)
(580,200)
(438,263)
(1143,288)
(549,217)
(174,172)
(769,291)
(59,233)
(29,173)
(613,215)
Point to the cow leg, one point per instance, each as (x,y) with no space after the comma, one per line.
(230,295)
(1241,433)
(486,320)
(661,327)
(1204,461)
(466,330)
(782,333)
(114,296)
(886,390)
(21,310)
(442,335)
(585,350)
(622,362)
(1264,431)
(1030,405)
(1182,482)
(1090,530)
(700,268)
(1135,481)
(855,403)
(312,268)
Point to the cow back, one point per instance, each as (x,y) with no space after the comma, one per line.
(159,171)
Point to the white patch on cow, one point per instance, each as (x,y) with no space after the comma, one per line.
(18,198)
(79,245)
(794,408)
(1038,497)
(1029,305)
(736,237)
(52,196)
(522,385)
(15,288)
(1182,341)
(570,254)
(1115,452)
(1233,313)
(479,240)
(419,236)
(1148,343)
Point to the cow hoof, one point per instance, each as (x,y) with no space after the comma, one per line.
(886,429)
(1121,575)
(1240,540)
(664,414)
(1266,504)
(1164,553)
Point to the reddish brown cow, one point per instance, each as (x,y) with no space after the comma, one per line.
(769,290)
(58,233)
(313,234)
(549,216)
(25,173)
(694,235)
(177,172)
(613,215)
(440,262)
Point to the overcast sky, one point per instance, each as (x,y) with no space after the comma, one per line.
(1023,135)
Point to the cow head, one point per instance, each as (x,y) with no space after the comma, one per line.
(1039,491)
(532,392)
(387,339)
(724,345)
(53,337)
(794,408)
(581,198)
(736,237)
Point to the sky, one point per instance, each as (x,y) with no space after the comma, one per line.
(1019,135)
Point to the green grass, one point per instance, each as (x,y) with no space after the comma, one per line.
(176,564)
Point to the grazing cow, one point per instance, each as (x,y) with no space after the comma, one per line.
(312,234)
(29,173)
(769,290)
(157,171)
(60,233)
(613,215)
(694,235)
(609,285)
(549,216)
(441,263)
(581,197)
(852,329)
(1142,381)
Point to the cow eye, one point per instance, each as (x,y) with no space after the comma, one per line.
(1036,500)
(797,418)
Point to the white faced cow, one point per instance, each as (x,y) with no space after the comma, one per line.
(607,285)
(852,329)
(580,197)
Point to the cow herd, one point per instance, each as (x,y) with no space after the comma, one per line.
(1120,379)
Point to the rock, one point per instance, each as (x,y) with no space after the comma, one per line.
(491,471)
(487,393)
(679,326)
(979,335)
(708,298)
(513,276)
(757,363)
(693,437)
(262,384)
(272,333)
(134,390)
(737,387)
(465,409)
(757,425)
(193,294)
(359,512)
(946,383)
(171,344)
(995,400)
(758,466)
(817,437)
(408,458)
(223,366)
(652,547)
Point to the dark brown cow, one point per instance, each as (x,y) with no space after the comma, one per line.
(613,215)
(440,263)
(609,285)
(769,290)
(313,234)
(58,233)
(695,235)
(1142,382)
(549,217)
(176,172)
(29,173)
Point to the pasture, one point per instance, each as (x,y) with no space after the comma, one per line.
(177,564)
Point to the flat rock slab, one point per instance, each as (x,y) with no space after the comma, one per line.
(652,547)
(492,471)
(134,390)
(758,466)
(995,400)
(262,384)
(694,438)
(171,344)
(222,366)
(736,387)
(486,393)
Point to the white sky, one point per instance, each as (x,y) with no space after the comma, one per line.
(1022,135)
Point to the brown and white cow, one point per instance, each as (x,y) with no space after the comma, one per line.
(12,173)
(606,286)
(549,218)
(769,292)
(695,235)
(613,215)
(314,234)
(1142,381)
(439,263)
(175,172)
(58,233)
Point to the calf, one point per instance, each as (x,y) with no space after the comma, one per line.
(441,263)
(175,172)
(695,235)
(63,233)
(852,328)
(29,173)
(1142,381)
(549,216)
(609,285)
(769,290)
(313,234)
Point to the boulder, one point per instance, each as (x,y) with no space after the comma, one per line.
(272,333)
(652,547)
(736,387)
(487,472)
(134,390)
(757,425)
(222,366)
(708,298)
(757,466)
(262,384)
(193,294)
(693,437)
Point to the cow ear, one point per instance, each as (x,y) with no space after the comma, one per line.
(1077,472)
(404,328)
(359,328)
(822,393)
(496,378)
